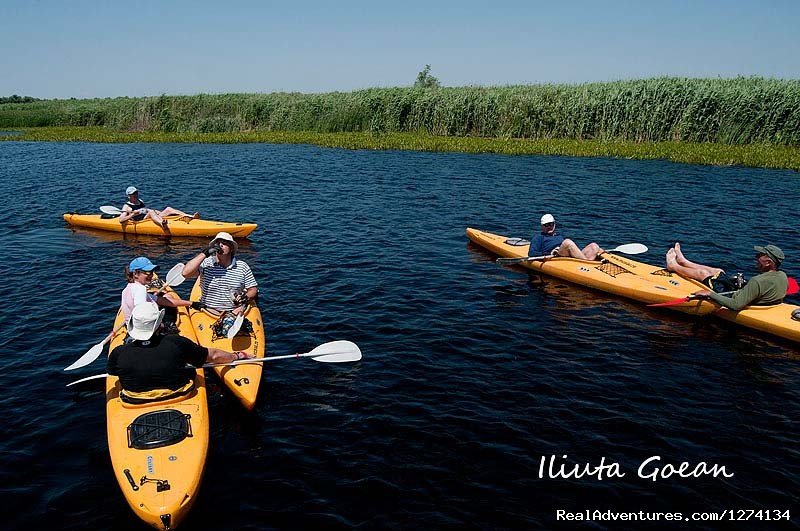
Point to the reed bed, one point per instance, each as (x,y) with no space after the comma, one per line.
(753,155)
(736,111)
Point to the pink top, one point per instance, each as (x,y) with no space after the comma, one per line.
(133,294)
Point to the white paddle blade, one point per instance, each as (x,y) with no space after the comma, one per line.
(631,248)
(91,355)
(114,211)
(336,347)
(236,326)
(93,377)
(175,276)
(340,357)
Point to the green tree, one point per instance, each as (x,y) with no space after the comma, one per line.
(426,80)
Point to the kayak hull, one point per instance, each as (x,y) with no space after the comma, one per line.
(644,283)
(160,484)
(176,226)
(242,380)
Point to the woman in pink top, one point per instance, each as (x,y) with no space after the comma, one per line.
(139,273)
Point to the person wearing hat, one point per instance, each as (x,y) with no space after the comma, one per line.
(549,243)
(227,283)
(135,209)
(155,366)
(765,289)
(139,273)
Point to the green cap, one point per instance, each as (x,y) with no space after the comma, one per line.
(773,251)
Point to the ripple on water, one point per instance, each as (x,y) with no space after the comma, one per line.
(471,371)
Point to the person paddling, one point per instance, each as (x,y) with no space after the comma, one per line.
(550,243)
(135,209)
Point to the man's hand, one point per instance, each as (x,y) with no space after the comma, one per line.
(211,250)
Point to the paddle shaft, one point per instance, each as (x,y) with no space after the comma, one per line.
(262,360)
(628,248)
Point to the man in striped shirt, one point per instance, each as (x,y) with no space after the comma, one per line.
(227,283)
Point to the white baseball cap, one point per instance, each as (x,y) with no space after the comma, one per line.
(548,218)
(131,190)
(144,321)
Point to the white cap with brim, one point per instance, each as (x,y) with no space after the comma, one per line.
(548,218)
(228,238)
(131,190)
(145,320)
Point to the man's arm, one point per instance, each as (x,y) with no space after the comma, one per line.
(739,299)
(192,267)
(127,213)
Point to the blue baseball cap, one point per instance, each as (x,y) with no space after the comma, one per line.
(142,263)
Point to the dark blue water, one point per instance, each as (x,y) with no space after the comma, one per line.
(471,372)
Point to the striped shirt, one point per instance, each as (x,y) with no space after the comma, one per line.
(220,284)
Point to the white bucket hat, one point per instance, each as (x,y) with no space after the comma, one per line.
(131,190)
(228,238)
(548,218)
(144,321)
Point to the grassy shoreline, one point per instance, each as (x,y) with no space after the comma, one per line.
(750,155)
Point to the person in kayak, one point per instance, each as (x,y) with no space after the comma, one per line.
(139,273)
(548,243)
(154,366)
(765,289)
(135,209)
(227,283)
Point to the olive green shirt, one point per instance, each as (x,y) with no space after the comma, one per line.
(762,290)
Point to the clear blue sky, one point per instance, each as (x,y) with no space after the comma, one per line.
(84,49)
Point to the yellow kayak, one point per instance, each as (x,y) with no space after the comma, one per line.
(614,274)
(644,283)
(242,380)
(158,468)
(176,225)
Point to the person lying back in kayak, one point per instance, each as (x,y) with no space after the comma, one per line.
(765,289)
(154,366)
(227,283)
(135,209)
(548,243)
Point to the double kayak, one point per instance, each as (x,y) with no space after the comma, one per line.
(642,282)
(158,449)
(176,225)
(242,380)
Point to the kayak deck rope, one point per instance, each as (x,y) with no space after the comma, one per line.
(612,270)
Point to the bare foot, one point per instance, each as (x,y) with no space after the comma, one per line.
(678,253)
(671,262)
(196,215)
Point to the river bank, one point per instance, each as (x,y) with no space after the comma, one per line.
(713,154)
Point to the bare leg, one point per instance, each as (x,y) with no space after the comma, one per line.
(568,248)
(169,211)
(697,272)
(158,220)
(592,251)
(682,260)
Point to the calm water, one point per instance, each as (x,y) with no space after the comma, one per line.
(471,372)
